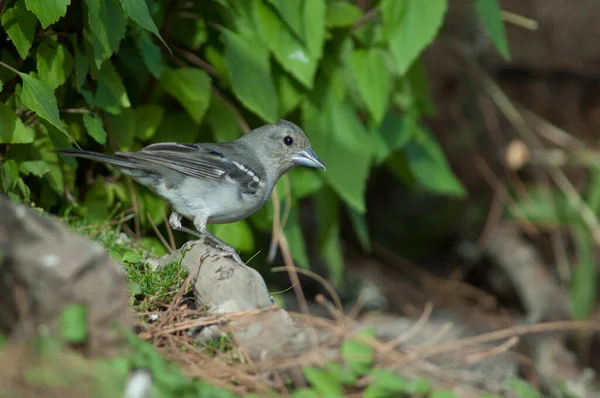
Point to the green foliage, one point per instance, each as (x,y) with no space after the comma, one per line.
(489,10)
(101,73)
(20,26)
(152,288)
(333,379)
(12,129)
(245,58)
(521,388)
(57,370)
(553,208)
(358,354)
(189,86)
(410,26)
(38,96)
(73,324)
(48,11)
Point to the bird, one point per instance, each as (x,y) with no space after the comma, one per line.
(215,183)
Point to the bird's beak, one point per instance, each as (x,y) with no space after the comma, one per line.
(309,159)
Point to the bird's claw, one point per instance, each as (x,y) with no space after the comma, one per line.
(221,252)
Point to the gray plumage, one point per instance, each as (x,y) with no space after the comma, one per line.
(218,183)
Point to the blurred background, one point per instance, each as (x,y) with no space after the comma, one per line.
(459,137)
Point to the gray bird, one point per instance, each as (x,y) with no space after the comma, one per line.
(215,183)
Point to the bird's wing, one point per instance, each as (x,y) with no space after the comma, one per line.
(200,161)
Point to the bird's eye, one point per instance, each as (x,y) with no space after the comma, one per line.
(288,140)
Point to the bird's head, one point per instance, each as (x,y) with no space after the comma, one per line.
(285,144)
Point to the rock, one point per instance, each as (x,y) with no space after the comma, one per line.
(44,267)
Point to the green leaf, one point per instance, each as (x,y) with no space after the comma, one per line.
(237,234)
(135,288)
(138,11)
(305,393)
(410,26)
(357,354)
(545,206)
(73,323)
(341,14)
(177,127)
(593,191)
(584,283)
(294,53)
(122,128)
(150,53)
(420,386)
(12,129)
(190,33)
(217,59)
(55,176)
(393,134)
(111,94)
(388,382)
(154,245)
(48,11)
(341,141)
(304,182)
(191,87)
(1,86)
(10,174)
(521,388)
(39,97)
(25,191)
(148,119)
(36,167)
(82,67)
(290,92)
(295,238)
(107,24)
(429,166)
(491,15)
(328,216)
(373,80)
(443,394)
(59,141)
(19,25)
(324,382)
(131,257)
(5,73)
(313,17)
(360,227)
(54,63)
(290,11)
(95,127)
(224,124)
(343,372)
(246,57)
(152,206)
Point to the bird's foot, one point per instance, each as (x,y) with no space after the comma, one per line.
(221,251)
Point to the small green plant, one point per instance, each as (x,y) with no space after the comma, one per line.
(335,379)
(219,344)
(151,288)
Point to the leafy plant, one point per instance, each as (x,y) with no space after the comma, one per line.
(123,74)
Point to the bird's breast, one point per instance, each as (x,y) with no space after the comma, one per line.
(217,202)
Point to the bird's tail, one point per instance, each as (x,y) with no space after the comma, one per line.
(117,160)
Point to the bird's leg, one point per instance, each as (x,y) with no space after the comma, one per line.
(175,223)
(200,224)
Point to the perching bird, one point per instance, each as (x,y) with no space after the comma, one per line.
(218,183)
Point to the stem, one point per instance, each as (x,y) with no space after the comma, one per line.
(196,60)
(242,122)
(75,110)
(10,68)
